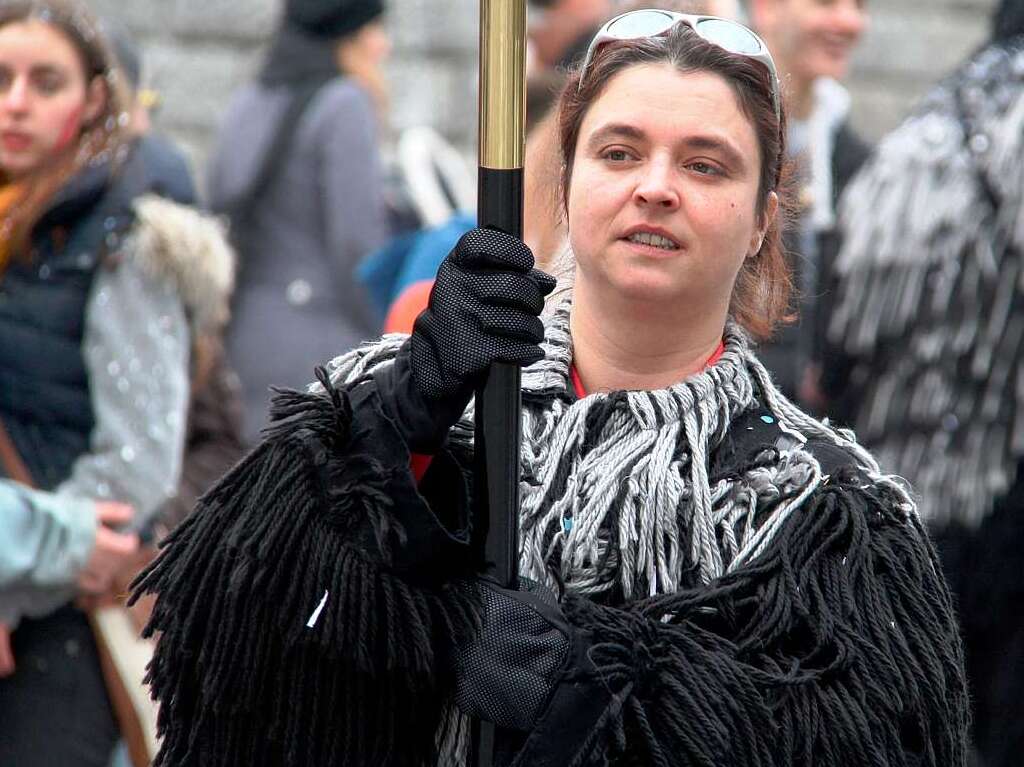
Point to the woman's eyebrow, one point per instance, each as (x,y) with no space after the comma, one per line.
(46,69)
(615,130)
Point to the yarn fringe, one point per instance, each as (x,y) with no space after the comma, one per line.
(836,646)
(281,636)
(929,311)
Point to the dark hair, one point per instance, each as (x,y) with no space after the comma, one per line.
(331,19)
(761,296)
(99,139)
(1008,20)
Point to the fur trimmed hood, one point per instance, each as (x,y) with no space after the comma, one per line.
(178,243)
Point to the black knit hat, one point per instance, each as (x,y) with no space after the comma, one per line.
(1008,20)
(331,18)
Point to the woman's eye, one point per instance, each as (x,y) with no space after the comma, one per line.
(48,82)
(6,78)
(705,169)
(616,155)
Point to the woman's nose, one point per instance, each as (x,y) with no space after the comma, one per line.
(851,18)
(16,97)
(657,185)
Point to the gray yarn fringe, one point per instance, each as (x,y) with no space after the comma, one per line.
(931,299)
(280,640)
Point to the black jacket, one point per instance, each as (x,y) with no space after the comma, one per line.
(44,387)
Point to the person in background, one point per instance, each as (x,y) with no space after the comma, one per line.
(929,328)
(94,361)
(559,31)
(106,290)
(812,41)
(296,168)
(708,575)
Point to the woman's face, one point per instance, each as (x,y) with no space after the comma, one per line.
(816,38)
(362,56)
(663,195)
(44,96)
(369,46)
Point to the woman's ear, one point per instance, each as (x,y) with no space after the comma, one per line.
(95,99)
(771,210)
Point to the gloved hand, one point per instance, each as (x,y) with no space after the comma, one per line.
(484,308)
(529,670)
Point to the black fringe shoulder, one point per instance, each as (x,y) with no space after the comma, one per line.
(836,647)
(283,636)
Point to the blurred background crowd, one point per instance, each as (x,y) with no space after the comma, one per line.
(200,201)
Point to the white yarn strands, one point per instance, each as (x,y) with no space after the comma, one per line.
(931,303)
(361,361)
(606,478)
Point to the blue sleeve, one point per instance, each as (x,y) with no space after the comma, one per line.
(45,541)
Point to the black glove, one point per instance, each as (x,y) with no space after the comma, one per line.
(484,308)
(529,670)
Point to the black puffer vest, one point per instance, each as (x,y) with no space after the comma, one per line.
(44,386)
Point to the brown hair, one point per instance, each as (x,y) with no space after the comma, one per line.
(761,296)
(99,140)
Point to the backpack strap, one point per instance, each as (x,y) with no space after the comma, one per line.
(241,208)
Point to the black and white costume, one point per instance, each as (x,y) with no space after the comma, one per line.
(927,337)
(740,586)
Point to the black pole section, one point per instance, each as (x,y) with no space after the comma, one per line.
(497,433)
(499,205)
(498,406)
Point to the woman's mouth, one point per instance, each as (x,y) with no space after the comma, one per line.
(653,240)
(15,141)
(837,47)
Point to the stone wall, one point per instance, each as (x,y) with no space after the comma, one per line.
(197,51)
(909,45)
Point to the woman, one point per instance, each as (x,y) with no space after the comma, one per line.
(739,584)
(297,169)
(102,290)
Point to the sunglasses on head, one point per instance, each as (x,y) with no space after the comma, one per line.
(728,35)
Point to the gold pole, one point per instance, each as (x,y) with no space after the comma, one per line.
(499,205)
(502,83)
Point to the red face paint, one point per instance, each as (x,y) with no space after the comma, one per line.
(72,127)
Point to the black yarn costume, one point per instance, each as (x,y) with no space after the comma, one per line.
(308,609)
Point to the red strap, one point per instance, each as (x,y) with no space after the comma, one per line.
(577,384)
(419,464)
(716,355)
(581,392)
